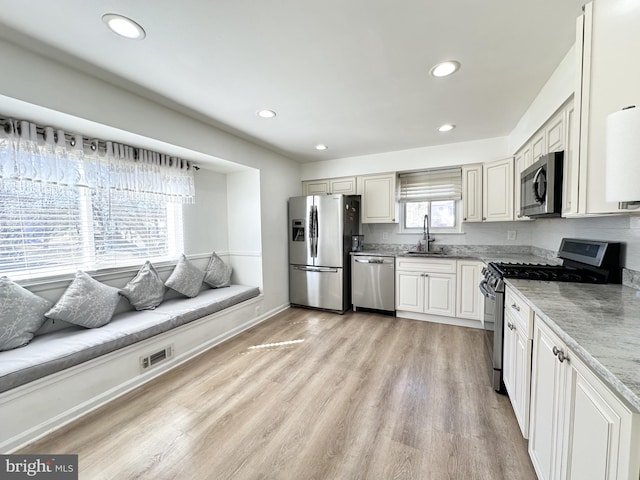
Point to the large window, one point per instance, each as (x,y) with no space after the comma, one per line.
(68,202)
(60,230)
(433,197)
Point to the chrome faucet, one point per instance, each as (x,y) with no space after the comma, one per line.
(426,237)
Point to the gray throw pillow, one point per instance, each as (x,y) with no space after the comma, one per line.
(21,314)
(186,278)
(217,273)
(86,302)
(146,290)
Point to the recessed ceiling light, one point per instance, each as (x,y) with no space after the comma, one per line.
(446,127)
(123,26)
(445,68)
(266,113)
(320,146)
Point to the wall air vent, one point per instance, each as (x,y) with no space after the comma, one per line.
(149,361)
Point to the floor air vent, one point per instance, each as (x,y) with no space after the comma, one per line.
(157,357)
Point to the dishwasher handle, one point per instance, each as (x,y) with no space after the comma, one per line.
(375,261)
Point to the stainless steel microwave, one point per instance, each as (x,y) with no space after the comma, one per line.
(541,187)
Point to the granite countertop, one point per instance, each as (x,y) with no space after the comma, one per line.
(599,323)
(486,257)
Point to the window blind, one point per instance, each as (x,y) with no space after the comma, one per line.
(60,230)
(445,184)
(40,231)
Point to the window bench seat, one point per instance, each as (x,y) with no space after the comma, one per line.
(61,349)
(65,373)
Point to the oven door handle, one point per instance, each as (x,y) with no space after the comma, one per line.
(485,292)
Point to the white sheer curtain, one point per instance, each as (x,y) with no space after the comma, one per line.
(43,158)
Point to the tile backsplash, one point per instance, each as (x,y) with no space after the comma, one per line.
(544,234)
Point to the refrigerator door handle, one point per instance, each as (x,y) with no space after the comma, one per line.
(315,269)
(315,231)
(312,226)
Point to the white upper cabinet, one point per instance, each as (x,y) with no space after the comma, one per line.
(344,185)
(610,81)
(472,193)
(554,133)
(518,166)
(378,198)
(570,175)
(558,133)
(497,191)
(538,146)
(316,187)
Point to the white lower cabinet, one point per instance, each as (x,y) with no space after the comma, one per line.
(579,429)
(548,391)
(426,286)
(469,301)
(516,363)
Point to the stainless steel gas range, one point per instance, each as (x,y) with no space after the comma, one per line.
(583,261)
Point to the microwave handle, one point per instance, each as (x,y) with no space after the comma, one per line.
(536,182)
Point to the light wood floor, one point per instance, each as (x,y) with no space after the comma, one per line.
(359,396)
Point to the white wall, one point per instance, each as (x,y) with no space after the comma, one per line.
(244,221)
(414,159)
(91,103)
(560,86)
(493,233)
(548,233)
(205,221)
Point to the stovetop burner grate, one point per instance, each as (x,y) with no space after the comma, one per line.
(556,273)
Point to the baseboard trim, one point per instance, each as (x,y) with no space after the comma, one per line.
(425,317)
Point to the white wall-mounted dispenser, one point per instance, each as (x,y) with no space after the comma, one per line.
(622,161)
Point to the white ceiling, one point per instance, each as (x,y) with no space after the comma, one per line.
(352,74)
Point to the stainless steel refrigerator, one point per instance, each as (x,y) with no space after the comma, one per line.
(320,230)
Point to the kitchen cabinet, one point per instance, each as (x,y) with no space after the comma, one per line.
(516,365)
(343,185)
(469,301)
(570,175)
(609,37)
(315,187)
(378,204)
(518,166)
(426,286)
(599,428)
(558,133)
(579,429)
(538,146)
(472,193)
(548,392)
(497,191)
(554,133)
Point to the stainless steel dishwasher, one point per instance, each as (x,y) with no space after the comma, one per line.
(373,282)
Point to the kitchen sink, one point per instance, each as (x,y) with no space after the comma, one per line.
(425,254)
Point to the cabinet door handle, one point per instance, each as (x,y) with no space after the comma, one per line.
(484,218)
(465,219)
(424,275)
(511,326)
(560,354)
(515,307)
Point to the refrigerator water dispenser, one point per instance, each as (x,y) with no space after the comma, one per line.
(297,230)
